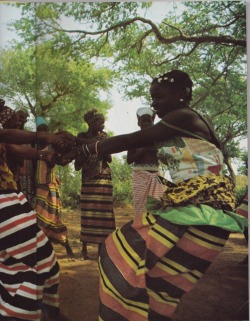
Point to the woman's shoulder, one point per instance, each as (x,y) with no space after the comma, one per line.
(181,113)
(188,120)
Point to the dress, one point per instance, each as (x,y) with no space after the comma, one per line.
(48,204)
(29,272)
(151,262)
(27,179)
(97,214)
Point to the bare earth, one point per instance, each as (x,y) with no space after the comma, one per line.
(222,294)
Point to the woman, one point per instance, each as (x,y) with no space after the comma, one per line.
(97,215)
(48,204)
(148,264)
(29,270)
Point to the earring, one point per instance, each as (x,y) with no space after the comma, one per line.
(181,99)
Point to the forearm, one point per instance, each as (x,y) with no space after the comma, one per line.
(15,136)
(26,152)
(120,143)
(23,152)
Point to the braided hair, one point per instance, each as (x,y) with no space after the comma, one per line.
(92,116)
(178,81)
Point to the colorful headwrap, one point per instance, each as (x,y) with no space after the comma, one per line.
(41,121)
(92,116)
(6,113)
(144,111)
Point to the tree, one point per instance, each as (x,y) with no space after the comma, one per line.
(207,39)
(46,82)
(121,179)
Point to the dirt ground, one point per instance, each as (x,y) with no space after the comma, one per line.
(222,294)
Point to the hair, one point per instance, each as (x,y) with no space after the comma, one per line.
(92,116)
(24,111)
(178,81)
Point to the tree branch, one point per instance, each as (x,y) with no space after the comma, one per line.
(225,40)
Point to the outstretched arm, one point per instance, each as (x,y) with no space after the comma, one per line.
(26,152)
(15,136)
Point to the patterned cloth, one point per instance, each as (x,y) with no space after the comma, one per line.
(242,209)
(144,184)
(188,157)
(48,204)
(148,264)
(27,179)
(97,215)
(7,181)
(6,113)
(29,272)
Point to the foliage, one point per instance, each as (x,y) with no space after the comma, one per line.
(241,188)
(207,39)
(243,169)
(47,82)
(70,186)
(121,178)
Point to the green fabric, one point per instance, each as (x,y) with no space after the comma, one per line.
(198,215)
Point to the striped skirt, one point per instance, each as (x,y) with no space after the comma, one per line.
(144,184)
(29,272)
(148,264)
(49,211)
(97,215)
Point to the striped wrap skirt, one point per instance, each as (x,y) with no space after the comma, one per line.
(97,214)
(144,184)
(29,272)
(151,262)
(49,212)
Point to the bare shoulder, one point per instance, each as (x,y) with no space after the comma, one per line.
(189,120)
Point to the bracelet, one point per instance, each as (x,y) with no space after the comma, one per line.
(96,151)
(86,147)
(84,150)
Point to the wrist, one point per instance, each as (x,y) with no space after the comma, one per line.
(40,155)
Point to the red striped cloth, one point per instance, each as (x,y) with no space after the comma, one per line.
(144,184)
(242,209)
(29,272)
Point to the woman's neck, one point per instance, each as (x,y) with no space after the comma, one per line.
(91,134)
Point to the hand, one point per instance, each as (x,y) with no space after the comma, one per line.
(66,158)
(64,141)
(48,156)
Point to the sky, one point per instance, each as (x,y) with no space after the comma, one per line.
(121,118)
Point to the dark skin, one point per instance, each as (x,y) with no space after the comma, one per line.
(169,107)
(16,153)
(93,131)
(22,117)
(15,136)
(143,155)
(45,129)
